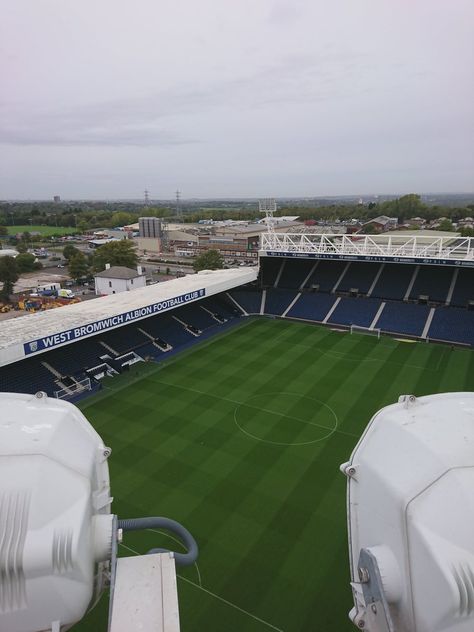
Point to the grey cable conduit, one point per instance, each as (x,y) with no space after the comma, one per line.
(182,559)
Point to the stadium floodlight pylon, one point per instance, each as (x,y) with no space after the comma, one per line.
(367,331)
(269,207)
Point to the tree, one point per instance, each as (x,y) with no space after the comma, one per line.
(410,204)
(8,275)
(209,260)
(117,253)
(78,266)
(70,251)
(446,225)
(122,219)
(26,262)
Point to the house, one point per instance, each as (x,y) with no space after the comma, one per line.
(380,224)
(115,279)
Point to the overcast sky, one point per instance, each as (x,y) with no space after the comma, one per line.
(104,98)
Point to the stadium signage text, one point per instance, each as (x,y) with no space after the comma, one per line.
(464,263)
(49,342)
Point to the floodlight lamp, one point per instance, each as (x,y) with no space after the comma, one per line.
(58,537)
(410,509)
(267,205)
(56,525)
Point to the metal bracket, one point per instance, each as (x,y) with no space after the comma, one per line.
(377,615)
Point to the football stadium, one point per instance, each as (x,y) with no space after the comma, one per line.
(230,398)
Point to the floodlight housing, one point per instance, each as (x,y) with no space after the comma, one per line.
(55,520)
(410,507)
(58,539)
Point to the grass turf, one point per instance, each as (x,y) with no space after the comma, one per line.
(45,231)
(240,439)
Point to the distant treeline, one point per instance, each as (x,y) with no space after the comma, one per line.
(89,215)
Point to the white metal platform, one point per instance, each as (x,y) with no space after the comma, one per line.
(145,594)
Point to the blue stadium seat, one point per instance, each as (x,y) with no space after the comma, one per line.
(148,350)
(464,288)
(73,359)
(394,281)
(125,338)
(403,318)
(193,315)
(27,376)
(355,311)
(432,281)
(270,267)
(166,327)
(278,300)
(326,275)
(220,304)
(295,272)
(453,324)
(250,300)
(359,275)
(312,306)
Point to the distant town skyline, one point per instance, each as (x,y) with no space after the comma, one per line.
(288,98)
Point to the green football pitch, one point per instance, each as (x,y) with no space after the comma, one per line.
(240,438)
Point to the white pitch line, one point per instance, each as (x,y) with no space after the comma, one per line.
(348,357)
(233,605)
(168,535)
(216,596)
(286,443)
(234,401)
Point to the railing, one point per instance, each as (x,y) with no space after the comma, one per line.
(459,250)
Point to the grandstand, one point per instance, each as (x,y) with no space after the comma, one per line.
(227,407)
(111,333)
(404,298)
(417,287)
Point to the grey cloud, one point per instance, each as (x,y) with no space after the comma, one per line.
(92,136)
(144,121)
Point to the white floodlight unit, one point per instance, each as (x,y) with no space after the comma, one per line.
(58,537)
(55,520)
(410,506)
(269,207)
